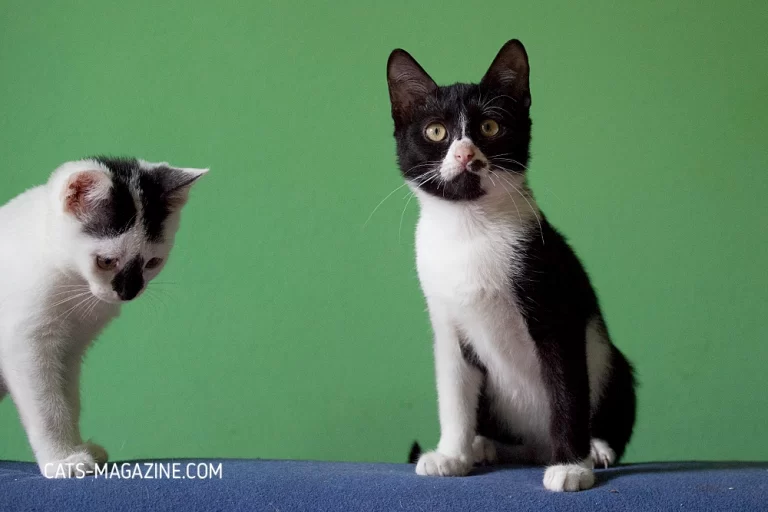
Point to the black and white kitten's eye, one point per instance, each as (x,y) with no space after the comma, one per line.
(106,263)
(489,128)
(436,132)
(153,263)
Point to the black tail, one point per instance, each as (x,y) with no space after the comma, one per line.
(415,452)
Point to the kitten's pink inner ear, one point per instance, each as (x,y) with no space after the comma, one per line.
(84,190)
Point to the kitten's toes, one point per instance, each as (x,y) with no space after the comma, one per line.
(601,453)
(484,450)
(79,464)
(569,477)
(98,452)
(437,464)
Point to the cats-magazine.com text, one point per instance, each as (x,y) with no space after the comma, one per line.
(138,470)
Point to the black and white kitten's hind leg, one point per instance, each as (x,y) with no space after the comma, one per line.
(579,440)
(613,417)
(593,411)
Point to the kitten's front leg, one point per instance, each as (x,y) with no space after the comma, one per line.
(72,365)
(458,387)
(564,365)
(43,378)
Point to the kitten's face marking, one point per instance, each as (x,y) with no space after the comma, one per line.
(126,213)
(452,140)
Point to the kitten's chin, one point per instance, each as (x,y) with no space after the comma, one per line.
(464,187)
(112,297)
(108,297)
(110,300)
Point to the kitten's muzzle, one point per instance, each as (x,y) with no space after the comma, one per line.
(129,282)
(476,166)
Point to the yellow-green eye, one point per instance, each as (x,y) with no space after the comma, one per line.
(435,132)
(489,128)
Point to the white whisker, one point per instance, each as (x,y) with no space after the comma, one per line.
(535,213)
(501,181)
(70,298)
(402,215)
(382,202)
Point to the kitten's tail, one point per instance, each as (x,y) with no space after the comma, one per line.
(415,452)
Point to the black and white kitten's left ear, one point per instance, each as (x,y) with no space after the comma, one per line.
(509,72)
(176,183)
(408,84)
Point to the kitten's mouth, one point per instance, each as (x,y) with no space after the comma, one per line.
(476,166)
(109,300)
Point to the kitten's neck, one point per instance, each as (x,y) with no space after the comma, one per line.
(501,207)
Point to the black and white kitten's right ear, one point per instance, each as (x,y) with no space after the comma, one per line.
(408,84)
(86,192)
(509,72)
(176,183)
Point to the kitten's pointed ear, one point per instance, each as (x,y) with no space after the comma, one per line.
(408,83)
(85,192)
(177,182)
(509,72)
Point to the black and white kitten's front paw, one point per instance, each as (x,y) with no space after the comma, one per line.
(484,451)
(438,464)
(569,477)
(81,462)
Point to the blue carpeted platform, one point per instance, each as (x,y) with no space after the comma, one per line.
(296,485)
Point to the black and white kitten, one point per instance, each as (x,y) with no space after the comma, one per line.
(72,252)
(526,371)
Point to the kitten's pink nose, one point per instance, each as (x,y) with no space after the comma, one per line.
(464,155)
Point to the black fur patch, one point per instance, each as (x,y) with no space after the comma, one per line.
(414,453)
(153,188)
(154,205)
(130,280)
(113,216)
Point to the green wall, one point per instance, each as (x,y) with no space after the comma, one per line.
(287,327)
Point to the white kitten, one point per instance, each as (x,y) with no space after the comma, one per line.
(71,252)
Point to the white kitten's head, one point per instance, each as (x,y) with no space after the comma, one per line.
(117,219)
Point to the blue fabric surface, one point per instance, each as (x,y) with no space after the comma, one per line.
(297,485)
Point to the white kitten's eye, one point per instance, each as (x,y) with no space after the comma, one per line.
(435,132)
(106,263)
(489,128)
(153,263)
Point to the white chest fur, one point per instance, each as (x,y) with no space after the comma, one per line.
(466,261)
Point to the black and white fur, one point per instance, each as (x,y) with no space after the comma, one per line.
(72,251)
(525,368)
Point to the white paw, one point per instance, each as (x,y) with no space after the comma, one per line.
(569,477)
(484,450)
(601,453)
(437,464)
(77,465)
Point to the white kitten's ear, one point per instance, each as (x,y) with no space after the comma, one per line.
(509,72)
(408,84)
(85,192)
(177,183)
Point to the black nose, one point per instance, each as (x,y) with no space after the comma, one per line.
(130,280)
